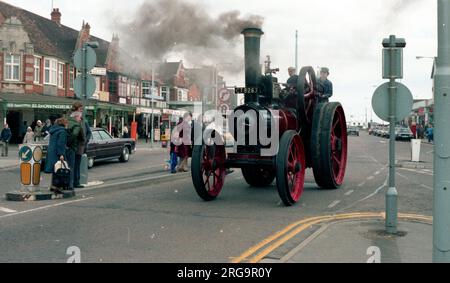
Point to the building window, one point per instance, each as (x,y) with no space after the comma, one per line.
(37,70)
(12,67)
(97,84)
(60,75)
(165,93)
(133,88)
(146,89)
(182,95)
(51,71)
(71,77)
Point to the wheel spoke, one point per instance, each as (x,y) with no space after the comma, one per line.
(336,124)
(337,160)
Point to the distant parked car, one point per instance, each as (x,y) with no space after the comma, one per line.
(353,131)
(103,146)
(403,133)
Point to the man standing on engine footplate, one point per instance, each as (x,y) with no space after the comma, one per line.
(326,85)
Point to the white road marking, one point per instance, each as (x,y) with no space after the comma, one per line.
(7,210)
(370,178)
(427,187)
(45,207)
(349,193)
(417,171)
(334,203)
(362,184)
(377,173)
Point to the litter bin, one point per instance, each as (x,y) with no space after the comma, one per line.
(30,158)
(415,147)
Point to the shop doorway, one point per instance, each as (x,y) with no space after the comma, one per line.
(13,119)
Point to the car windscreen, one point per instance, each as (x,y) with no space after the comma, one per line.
(105,136)
(96,136)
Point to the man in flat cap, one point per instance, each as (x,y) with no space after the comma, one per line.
(326,85)
(293,78)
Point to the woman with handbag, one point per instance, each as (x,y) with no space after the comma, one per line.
(56,151)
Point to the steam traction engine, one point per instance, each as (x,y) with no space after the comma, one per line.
(311,135)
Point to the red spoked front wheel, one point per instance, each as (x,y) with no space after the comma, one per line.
(291,168)
(329,146)
(208,170)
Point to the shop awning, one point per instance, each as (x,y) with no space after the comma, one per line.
(37,101)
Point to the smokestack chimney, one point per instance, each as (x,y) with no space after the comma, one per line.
(56,16)
(252,60)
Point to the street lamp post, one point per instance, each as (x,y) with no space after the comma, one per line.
(152,142)
(441,219)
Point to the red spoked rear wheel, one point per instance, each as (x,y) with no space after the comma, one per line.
(208,170)
(291,168)
(329,145)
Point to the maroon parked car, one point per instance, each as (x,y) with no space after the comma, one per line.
(103,146)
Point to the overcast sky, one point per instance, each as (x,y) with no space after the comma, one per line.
(344,35)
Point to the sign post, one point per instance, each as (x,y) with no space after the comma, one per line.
(85,60)
(398,100)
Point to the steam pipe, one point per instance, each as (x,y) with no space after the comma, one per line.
(253,73)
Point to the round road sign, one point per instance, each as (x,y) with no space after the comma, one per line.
(90,86)
(25,154)
(380,102)
(91,59)
(37,154)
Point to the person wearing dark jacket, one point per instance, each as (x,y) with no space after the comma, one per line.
(326,84)
(75,140)
(5,137)
(57,145)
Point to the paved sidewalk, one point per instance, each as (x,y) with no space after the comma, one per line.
(365,241)
(12,160)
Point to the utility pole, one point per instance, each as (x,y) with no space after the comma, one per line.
(441,219)
(296,50)
(152,142)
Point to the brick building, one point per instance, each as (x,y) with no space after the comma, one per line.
(37,77)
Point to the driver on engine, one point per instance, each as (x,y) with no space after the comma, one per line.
(293,79)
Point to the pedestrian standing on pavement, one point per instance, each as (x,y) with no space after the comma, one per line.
(414,130)
(5,137)
(186,141)
(126,133)
(57,148)
(173,158)
(45,130)
(75,139)
(38,131)
(421,132)
(23,130)
(430,133)
(29,136)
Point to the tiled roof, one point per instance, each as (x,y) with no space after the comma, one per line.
(168,71)
(48,37)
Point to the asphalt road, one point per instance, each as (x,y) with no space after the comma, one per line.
(167,222)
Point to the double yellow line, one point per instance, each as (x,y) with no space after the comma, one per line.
(258,252)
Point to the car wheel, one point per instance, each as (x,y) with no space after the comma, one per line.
(91,162)
(125,157)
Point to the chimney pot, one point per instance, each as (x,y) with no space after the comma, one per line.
(56,16)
